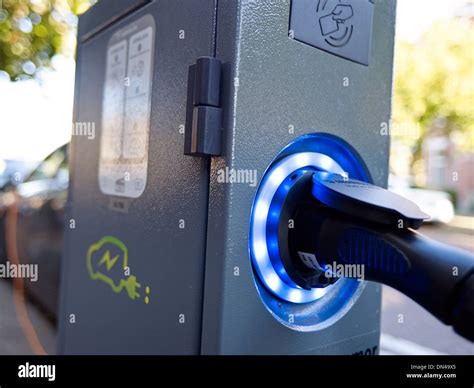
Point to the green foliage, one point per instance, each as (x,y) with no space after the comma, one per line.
(33,31)
(434,84)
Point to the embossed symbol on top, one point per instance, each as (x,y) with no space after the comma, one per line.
(335,22)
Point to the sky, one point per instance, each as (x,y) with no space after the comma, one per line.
(36,118)
(415,16)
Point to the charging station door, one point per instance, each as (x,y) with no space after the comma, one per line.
(136,222)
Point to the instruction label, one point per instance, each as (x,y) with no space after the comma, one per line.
(126,109)
(309,260)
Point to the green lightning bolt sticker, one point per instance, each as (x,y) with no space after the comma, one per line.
(107,261)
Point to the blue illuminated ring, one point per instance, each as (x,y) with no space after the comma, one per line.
(272,181)
(316,151)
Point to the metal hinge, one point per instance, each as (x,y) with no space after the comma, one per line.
(203,132)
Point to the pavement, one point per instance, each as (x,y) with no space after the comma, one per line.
(13,340)
(406,327)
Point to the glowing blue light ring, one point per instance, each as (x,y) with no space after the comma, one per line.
(273,222)
(258,234)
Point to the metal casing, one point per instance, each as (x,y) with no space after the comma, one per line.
(279,89)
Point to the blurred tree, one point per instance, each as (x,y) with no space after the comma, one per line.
(434,86)
(33,31)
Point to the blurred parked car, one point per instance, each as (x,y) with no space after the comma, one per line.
(437,204)
(41,199)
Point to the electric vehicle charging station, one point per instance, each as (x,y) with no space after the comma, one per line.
(163,256)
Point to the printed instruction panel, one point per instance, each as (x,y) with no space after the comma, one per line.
(126,109)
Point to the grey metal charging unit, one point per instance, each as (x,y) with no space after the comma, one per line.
(157,242)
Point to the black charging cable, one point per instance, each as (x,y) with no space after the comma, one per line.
(351,227)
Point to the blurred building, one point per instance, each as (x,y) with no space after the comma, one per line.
(448,169)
